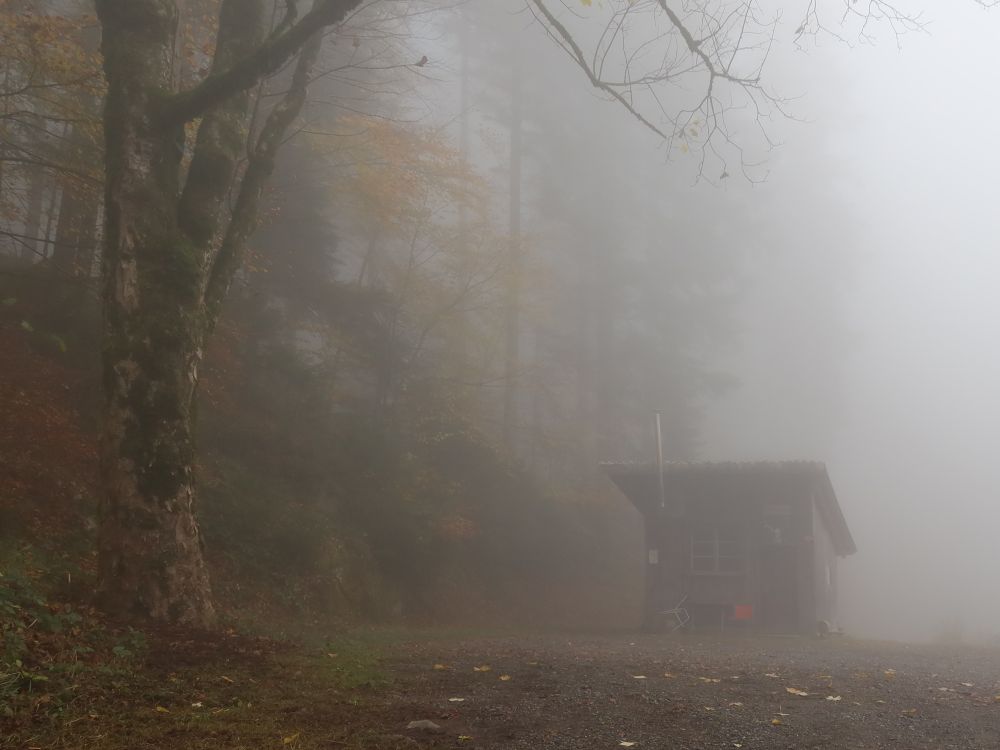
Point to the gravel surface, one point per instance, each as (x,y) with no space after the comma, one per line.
(687,692)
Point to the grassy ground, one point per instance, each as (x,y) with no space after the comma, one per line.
(108,687)
(71,679)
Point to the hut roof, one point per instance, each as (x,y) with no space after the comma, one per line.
(639,482)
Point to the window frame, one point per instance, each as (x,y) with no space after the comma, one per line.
(723,548)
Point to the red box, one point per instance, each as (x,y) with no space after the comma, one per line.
(743,612)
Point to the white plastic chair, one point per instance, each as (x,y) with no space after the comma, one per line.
(677,617)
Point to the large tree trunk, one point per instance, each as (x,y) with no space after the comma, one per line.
(169,257)
(150,550)
(150,553)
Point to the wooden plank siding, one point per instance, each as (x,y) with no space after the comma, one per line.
(756,535)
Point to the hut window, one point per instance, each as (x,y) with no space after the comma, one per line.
(717,549)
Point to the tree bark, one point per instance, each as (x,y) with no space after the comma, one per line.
(150,557)
(170,251)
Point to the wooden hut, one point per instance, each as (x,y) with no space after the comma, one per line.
(738,545)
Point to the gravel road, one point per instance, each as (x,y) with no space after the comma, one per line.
(688,692)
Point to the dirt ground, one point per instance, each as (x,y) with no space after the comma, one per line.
(694,692)
(550,692)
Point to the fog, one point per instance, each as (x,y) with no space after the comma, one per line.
(901,400)
(477,276)
(863,334)
(507,374)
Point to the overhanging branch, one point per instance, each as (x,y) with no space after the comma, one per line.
(568,43)
(260,165)
(266,59)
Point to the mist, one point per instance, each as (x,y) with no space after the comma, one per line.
(501,374)
(882,362)
(861,330)
(862,333)
(497,373)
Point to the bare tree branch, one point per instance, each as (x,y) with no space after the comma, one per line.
(266,59)
(701,63)
(568,43)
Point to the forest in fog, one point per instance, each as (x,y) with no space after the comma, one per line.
(516,374)
(472,283)
(353,299)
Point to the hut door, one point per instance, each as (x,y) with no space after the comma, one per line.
(779,588)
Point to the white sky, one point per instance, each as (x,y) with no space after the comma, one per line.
(913,449)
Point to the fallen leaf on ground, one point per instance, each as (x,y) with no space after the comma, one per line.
(833,698)
(890,674)
(968,684)
(626,743)
(162,710)
(440,666)
(909,712)
(483,668)
(197,704)
(230,680)
(464,737)
(777,722)
(736,703)
(504,677)
(456,700)
(424,724)
(289,739)
(796,691)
